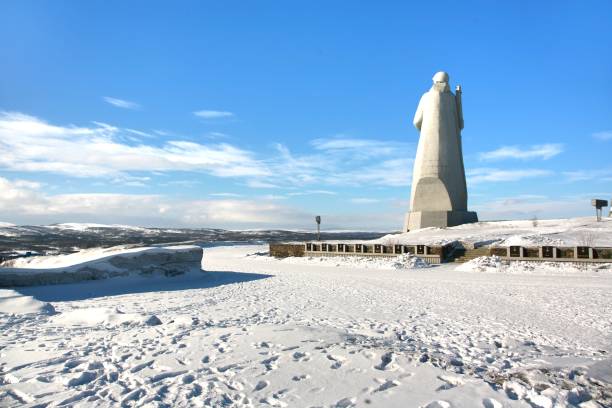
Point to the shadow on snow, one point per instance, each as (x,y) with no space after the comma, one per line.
(136,284)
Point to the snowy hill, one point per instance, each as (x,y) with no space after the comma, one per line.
(560,232)
(70,237)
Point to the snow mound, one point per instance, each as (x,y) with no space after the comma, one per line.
(103,316)
(100,263)
(495,264)
(12,302)
(560,232)
(482,264)
(408,261)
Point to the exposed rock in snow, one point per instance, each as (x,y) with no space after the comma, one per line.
(101,263)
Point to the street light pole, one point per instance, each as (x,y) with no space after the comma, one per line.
(318,220)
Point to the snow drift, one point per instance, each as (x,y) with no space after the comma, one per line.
(12,302)
(495,264)
(101,263)
(561,232)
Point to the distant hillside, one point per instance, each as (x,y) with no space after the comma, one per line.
(66,238)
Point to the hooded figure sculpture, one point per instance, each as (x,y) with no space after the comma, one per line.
(439,193)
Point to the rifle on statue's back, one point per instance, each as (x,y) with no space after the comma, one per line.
(459,107)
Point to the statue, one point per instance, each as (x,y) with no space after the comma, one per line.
(439,193)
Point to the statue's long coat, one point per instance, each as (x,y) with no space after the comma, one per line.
(438,179)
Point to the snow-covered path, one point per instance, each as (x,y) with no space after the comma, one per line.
(262,332)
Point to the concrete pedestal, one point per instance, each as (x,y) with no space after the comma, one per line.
(423,219)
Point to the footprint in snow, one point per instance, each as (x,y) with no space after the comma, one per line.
(449,382)
(271,363)
(300,377)
(437,404)
(338,361)
(261,385)
(208,359)
(491,403)
(386,385)
(273,402)
(300,356)
(82,378)
(386,362)
(188,379)
(345,403)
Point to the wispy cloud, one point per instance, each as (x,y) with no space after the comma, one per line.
(121,103)
(348,162)
(527,206)
(312,192)
(108,152)
(605,135)
(255,183)
(233,195)
(33,145)
(358,148)
(584,175)
(544,151)
(364,200)
(481,175)
(213,114)
(23,203)
(139,133)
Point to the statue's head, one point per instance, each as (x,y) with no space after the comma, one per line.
(440,77)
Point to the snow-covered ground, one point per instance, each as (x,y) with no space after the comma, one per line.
(573,231)
(254,331)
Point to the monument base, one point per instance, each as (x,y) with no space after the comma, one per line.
(423,219)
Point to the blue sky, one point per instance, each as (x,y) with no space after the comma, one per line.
(263,114)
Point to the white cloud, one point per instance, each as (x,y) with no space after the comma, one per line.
(348,162)
(358,148)
(395,172)
(32,145)
(121,103)
(545,151)
(233,195)
(364,200)
(312,192)
(273,197)
(584,175)
(480,175)
(24,204)
(605,135)
(260,184)
(525,207)
(110,153)
(213,114)
(139,133)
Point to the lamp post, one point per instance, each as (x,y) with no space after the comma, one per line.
(318,220)
(599,205)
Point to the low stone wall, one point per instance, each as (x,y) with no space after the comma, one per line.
(434,254)
(557,254)
(286,250)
